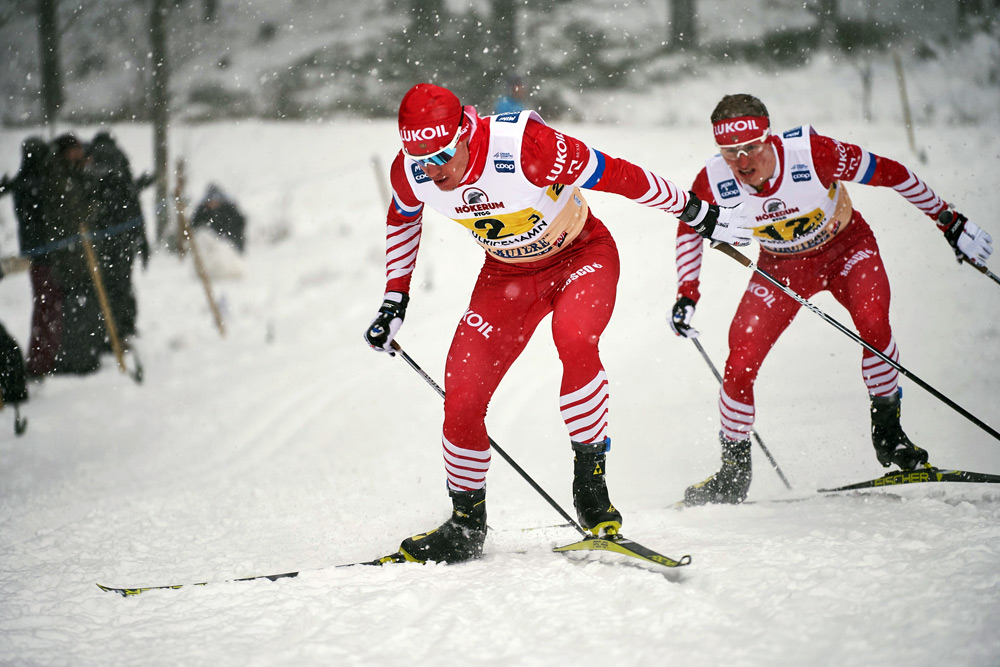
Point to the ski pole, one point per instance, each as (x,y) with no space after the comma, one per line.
(513,464)
(753,432)
(982,269)
(727,249)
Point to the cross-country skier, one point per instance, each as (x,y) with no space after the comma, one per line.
(515,184)
(812,239)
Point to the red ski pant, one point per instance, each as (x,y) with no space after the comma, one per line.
(851,269)
(45,339)
(578,287)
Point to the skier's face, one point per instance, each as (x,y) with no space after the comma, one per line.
(753,164)
(448,176)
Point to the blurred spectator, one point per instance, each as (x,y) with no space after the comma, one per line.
(119,221)
(515,99)
(29,188)
(68,205)
(220,214)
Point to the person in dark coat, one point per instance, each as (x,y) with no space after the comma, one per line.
(120,234)
(29,188)
(68,206)
(220,214)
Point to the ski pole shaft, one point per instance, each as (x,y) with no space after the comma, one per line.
(727,249)
(513,464)
(753,432)
(982,269)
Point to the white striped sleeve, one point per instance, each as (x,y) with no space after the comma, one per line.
(690,251)
(919,194)
(663,194)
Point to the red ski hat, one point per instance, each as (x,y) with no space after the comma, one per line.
(429,118)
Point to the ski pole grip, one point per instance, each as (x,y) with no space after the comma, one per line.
(727,249)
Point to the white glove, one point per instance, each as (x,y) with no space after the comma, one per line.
(733,227)
(716,223)
(970,242)
(975,243)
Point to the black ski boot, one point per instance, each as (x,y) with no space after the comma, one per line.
(458,539)
(731,483)
(590,492)
(891,444)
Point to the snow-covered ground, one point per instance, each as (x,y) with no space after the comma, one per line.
(288,445)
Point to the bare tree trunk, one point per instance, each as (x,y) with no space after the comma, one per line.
(504,44)
(425,17)
(683,24)
(828,12)
(48,34)
(160,102)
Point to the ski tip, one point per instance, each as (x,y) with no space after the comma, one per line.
(124,592)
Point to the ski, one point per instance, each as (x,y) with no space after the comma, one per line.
(125,592)
(621,545)
(919,476)
(615,544)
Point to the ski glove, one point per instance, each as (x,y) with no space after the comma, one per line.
(971,243)
(718,223)
(680,318)
(387,322)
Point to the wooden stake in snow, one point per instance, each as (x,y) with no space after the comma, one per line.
(907,117)
(188,237)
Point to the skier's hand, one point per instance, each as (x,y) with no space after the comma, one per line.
(680,318)
(387,322)
(718,223)
(970,242)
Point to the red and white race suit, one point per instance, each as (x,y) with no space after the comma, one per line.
(812,239)
(546,252)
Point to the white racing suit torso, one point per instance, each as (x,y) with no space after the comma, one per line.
(513,219)
(801,214)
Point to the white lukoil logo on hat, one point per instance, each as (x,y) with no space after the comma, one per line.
(424,134)
(742,125)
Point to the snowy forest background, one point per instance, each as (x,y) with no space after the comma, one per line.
(315,59)
(287,445)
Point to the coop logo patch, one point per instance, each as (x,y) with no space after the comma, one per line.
(504,166)
(800,172)
(729,189)
(418,174)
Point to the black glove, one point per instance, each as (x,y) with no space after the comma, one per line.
(680,318)
(970,243)
(387,322)
(718,223)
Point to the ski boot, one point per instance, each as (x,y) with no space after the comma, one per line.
(731,483)
(891,444)
(458,539)
(590,492)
